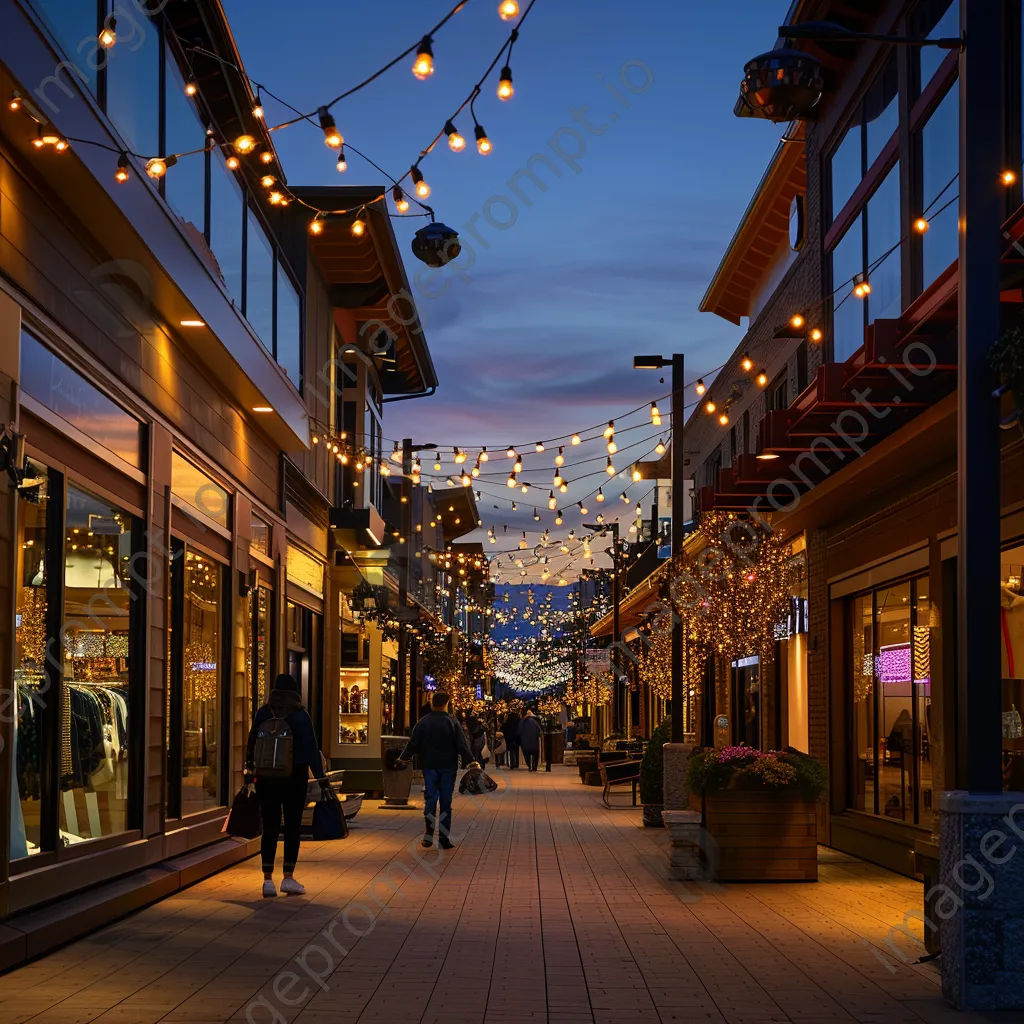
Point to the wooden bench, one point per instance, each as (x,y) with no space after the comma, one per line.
(619,773)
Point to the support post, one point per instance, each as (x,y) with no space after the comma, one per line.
(678,472)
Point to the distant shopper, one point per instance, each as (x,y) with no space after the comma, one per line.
(570,732)
(530,733)
(477,740)
(281,752)
(510,727)
(500,749)
(440,742)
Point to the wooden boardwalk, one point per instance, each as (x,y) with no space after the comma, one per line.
(551,909)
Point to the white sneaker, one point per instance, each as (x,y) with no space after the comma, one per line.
(292,888)
(269,889)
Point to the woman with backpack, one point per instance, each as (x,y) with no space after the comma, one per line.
(281,752)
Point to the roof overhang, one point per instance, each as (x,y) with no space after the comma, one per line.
(763,228)
(357,529)
(457,512)
(366,276)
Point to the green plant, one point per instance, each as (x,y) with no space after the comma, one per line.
(652,765)
(710,771)
(1006,356)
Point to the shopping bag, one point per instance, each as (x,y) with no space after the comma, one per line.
(476,780)
(244,819)
(328,819)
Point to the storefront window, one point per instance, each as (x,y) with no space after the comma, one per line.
(200,684)
(746,676)
(848,316)
(259,282)
(133,81)
(186,185)
(226,220)
(259,535)
(95,718)
(883,224)
(891,703)
(74,24)
(354,706)
(189,484)
(1012,633)
(289,328)
(940,148)
(30,631)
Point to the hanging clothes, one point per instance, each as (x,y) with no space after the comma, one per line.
(1011,621)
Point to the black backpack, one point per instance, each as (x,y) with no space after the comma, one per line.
(274,752)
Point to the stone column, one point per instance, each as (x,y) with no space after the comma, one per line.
(676,757)
(980,900)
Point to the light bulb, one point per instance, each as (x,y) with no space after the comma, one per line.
(552,501)
(466,479)
(612,447)
(560,458)
(421,187)
(456,141)
(724,419)
(609,431)
(401,203)
(511,481)
(576,439)
(518,467)
(333,139)
(191,88)
(476,470)
(267,180)
(539,446)
(796,321)
(921,225)
(232,163)
(257,110)
(460,456)
(655,415)
(266,157)
(484,457)
(423,66)
(505,88)
(358,227)
(244,145)
(508,9)
(316,225)
(511,453)
(558,479)
(342,165)
(1008,177)
(60,144)
(747,363)
(700,387)
(157,166)
(558,518)
(563,487)
(816,334)
(483,144)
(525,488)
(276,198)
(108,34)
(600,494)
(583,508)
(709,406)
(762,378)
(660,448)
(121,174)
(437,465)
(610,469)
(14,103)
(636,474)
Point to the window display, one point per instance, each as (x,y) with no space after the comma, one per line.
(1011,628)
(95,696)
(354,706)
(890,677)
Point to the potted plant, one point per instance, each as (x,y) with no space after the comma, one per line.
(1006,358)
(759,808)
(652,775)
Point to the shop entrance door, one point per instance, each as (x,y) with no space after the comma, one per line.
(746,695)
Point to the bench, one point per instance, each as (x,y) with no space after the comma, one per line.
(619,773)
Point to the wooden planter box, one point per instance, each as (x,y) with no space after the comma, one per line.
(762,836)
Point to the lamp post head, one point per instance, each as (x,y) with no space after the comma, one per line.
(648,362)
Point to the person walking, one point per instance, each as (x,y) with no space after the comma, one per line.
(440,742)
(530,732)
(477,740)
(510,727)
(500,749)
(284,795)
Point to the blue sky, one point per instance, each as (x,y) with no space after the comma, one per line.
(608,262)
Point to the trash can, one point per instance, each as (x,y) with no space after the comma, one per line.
(397,781)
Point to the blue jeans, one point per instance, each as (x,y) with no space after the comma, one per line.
(438,784)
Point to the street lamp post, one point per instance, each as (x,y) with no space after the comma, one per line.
(675,363)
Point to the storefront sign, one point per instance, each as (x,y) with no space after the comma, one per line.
(305,571)
(599,661)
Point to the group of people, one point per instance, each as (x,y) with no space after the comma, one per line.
(516,735)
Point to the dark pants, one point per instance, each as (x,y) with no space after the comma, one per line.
(513,753)
(438,784)
(532,758)
(277,795)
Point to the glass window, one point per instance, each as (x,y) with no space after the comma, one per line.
(199,491)
(847,167)
(354,706)
(865,716)
(883,223)
(49,380)
(200,684)
(226,213)
(259,284)
(848,316)
(185,183)
(896,720)
(941,18)
(259,535)
(289,327)
(1012,656)
(133,81)
(30,632)
(881,110)
(95,636)
(75,26)
(924,748)
(940,149)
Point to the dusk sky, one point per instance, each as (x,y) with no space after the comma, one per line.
(607,263)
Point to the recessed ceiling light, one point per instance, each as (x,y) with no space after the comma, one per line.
(766,456)
(262,408)
(193,323)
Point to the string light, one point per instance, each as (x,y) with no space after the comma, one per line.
(518,467)
(921,225)
(816,334)
(276,198)
(609,431)
(342,164)
(724,419)
(505,88)
(483,144)
(655,415)
(359,227)
(600,494)
(762,378)
(423,66)
(637,476)
(401,203)
(511,481)
(484,457)
(257,110)
(552,501)
(1008,177)
(266,157)
(244,145)
(583,508)
(861,286)
(232,163)
(796,321)
(709,406)
(747,363)
(508,9)
(456,141)
(421,188)
(610,469)
(539,447)
(700,387)
(157,166)
(14,103)
(267,180)
(316,225)
(191,88)
(333,139)
(108,34)
(560,457)
(121,175)
(576,439)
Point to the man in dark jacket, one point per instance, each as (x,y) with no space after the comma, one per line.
(530,732)
(510,729)
(285,794)
(440,742)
